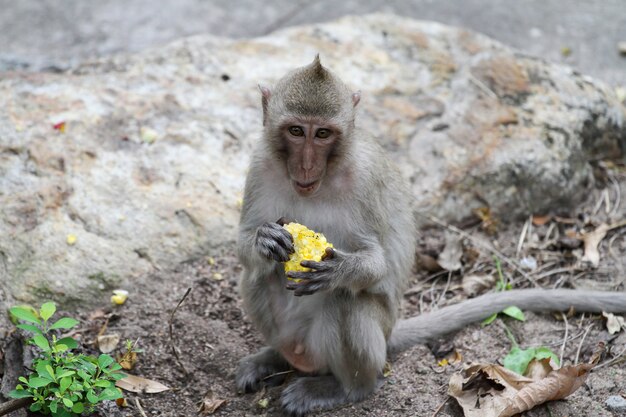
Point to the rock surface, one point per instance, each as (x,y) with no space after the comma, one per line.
(150,167)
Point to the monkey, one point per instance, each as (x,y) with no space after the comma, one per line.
(336,324)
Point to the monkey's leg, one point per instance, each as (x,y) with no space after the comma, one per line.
(351,338)
(253,369)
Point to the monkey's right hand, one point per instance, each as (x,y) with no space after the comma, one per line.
(273,241)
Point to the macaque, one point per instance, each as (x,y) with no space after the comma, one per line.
(337,322)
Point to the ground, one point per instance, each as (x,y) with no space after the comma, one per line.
(211,332)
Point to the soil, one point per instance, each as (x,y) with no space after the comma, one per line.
(211,332)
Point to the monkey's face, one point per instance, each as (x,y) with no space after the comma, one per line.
(309,144)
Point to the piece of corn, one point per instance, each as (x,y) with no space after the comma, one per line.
(308,246)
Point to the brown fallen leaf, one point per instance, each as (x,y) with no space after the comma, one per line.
(209,403)
(539,369)
(614,323)
(592,240)
(541,220)
(450,258)
(108,342)
(486,390)
(475,284)
(556,386)
(133,383)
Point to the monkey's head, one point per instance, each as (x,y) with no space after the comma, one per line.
(309,120)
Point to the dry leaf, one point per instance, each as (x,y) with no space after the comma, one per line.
(475,284)
(134,383)
(128,360)
(108,342)
(121,402)
(541,220)
(614,323)
(556,386)
(209,403)
(487,390)
(592,240)
(539,369)
(450,258)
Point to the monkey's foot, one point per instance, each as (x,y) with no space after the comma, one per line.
(307,394)
(258,369)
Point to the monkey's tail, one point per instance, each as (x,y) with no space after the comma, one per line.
(429,326)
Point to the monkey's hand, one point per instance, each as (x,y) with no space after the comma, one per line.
(320,277)
(272,241)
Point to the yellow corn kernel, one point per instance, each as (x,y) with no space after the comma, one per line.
(308,246)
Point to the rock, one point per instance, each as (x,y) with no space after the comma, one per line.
(150,166)
(616,404)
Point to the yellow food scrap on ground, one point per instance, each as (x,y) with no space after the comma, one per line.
(119,297)
(71,239)
(308,246)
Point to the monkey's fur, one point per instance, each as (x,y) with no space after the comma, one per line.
(315,166)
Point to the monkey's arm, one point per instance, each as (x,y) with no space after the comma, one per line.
(429,326)
(355,271)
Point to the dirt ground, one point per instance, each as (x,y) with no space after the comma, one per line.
(211,332)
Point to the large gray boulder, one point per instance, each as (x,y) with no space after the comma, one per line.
(150,168)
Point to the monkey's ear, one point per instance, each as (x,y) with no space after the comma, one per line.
(356,97)
(265,98)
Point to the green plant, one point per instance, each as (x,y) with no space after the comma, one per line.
(518,359)
(63,383)
(502,285)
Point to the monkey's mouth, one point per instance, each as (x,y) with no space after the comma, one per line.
(306,188)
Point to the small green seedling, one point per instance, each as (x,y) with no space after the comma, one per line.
(518,359)
(502,285)
(63,384)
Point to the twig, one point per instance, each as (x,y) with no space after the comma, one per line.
(13,405)
(438,409)
(564,337)
(445,289)
(171,327)
(522,237)
(580,345)
(618,194)
(279,373)
(612,361)
(140,408)
(553,272)
(485,246)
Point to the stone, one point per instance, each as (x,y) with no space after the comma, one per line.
(617,404)
(148,169)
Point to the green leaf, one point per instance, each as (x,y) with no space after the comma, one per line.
(514,312)
(54,405)
(110,394)
(44,370)
(104,361)
(64,323)
(35,406)
(42,343)
(68,403)
(24,314)
(36,382)
(22,379)
(30,328)
(60,348)
(489,319)
(47,310)
(102,383)
(517,360)
(20,393)
(544,353)
(92,397)
(78,408)
(62,373)
(64,384)
(70,342)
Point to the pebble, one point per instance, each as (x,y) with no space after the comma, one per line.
(616,403)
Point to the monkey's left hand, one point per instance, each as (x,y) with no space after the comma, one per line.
(321,275)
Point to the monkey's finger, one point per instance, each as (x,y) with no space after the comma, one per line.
(292,285)
(329,253)
(318,266)
(283,221)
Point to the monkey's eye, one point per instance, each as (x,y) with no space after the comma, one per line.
(296,131)
(323,133)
